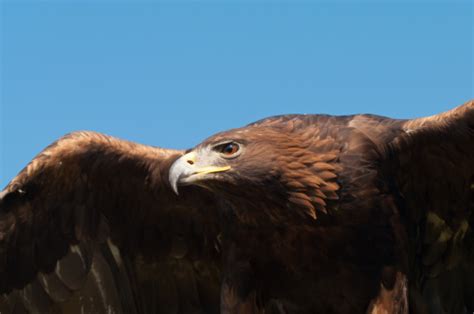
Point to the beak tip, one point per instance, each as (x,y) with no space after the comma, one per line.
(174,176)
(174,187)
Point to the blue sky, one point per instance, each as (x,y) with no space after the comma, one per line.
(171,73)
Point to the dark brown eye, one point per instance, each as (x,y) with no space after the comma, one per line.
(228,149)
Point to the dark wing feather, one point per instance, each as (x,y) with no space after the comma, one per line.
(91,221)
(433,165)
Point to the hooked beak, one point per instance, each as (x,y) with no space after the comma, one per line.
(186,170)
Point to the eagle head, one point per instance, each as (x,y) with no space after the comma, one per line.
(296,168)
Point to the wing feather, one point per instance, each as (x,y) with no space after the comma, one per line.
(84,212)
(432,161)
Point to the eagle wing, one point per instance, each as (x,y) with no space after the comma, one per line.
(91,224)
(432,164)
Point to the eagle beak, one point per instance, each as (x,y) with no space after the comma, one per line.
(186,170)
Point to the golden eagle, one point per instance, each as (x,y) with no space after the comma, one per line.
(290,214)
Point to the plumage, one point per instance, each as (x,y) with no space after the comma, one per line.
(290,214)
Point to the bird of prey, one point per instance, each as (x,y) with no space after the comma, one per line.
(290,214)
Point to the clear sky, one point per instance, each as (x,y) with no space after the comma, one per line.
(171,73)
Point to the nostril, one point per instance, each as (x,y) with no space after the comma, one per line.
(190,162)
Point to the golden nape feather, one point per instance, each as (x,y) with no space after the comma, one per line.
(290,214)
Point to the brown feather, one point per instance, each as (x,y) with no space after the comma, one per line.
(318,214)
(89,187)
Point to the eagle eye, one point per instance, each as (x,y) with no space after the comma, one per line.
(228,149)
